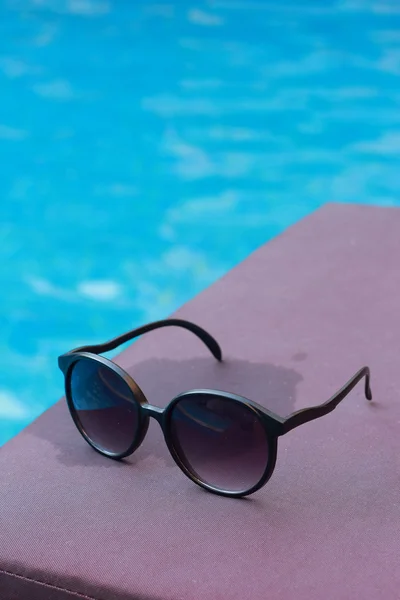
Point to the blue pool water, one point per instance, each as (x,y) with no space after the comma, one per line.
(147,147)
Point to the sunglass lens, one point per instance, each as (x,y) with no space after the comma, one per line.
(222,442)
(104,406)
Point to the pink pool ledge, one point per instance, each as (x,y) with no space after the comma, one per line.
(295,321)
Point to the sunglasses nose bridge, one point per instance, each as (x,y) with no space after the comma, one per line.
(153,411)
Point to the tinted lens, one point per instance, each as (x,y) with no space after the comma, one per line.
(104,405)
(221,441)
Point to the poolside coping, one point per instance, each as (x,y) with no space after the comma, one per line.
(295,320)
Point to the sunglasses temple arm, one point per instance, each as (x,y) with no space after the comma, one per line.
(203,335)
(315,412)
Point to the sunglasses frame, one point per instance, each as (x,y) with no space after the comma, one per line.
(274,425)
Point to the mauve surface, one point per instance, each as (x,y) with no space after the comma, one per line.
(295,321)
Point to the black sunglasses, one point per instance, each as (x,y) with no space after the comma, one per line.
(223,442)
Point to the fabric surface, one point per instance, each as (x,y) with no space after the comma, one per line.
(295,321)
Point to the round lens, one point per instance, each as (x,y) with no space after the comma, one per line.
(220,441)
(104,405)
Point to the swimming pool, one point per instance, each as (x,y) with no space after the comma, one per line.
(148,147)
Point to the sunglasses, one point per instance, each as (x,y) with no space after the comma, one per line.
(223,442)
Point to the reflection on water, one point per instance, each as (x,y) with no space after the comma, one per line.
(148,147)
